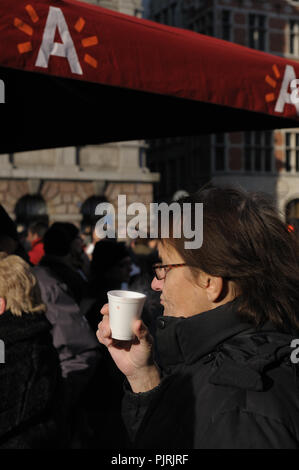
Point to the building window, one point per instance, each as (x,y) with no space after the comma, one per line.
(291,152)
(257,32)
(210,24)
(226,25)
(288,166)
(165,18)
(292,211)
(173,10)
(203,24)
(294,37)
(258,151)
(157,18)
(220,152)
(142,157)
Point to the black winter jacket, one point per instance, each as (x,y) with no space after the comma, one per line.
(225,385)
(31,400)
(77,346)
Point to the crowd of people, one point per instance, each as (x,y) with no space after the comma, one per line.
(210,364)
(52,289)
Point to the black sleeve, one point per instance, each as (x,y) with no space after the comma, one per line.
(239,429)
(135,405)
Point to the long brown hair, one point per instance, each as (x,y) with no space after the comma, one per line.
(245,241)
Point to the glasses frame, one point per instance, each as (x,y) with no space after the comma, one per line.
(167,268)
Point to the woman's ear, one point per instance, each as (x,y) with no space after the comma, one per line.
(2,305)
(214,288)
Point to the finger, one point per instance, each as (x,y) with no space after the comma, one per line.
(104,327)
(106,341)
(105,309)
(141,331)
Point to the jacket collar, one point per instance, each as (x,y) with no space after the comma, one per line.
(186,340)
(14,329)
(240,352)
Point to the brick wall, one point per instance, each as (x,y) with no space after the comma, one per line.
(10,192)
(64,199)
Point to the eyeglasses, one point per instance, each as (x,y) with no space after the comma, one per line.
(161,270)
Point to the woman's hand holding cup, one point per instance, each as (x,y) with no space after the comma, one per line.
(134,358)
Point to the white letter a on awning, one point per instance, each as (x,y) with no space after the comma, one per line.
(49,47)
(284,95)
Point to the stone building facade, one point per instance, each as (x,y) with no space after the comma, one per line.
(129,7)
(267,161)
(66,177)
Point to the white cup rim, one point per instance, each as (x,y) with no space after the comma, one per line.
(122,296)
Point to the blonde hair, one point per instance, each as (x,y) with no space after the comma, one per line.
(19,286)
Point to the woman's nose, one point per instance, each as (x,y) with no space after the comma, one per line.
(157,285)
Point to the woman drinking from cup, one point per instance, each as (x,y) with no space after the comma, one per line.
(224,377)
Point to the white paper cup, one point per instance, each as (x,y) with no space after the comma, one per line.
(124,307)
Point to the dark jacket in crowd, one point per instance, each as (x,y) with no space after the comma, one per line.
(31,400)
(107,255)
(225,385)
(74,282)
(78,348)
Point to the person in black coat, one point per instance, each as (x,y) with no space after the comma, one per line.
(31,395)
(225,377)
(110,267)
(63,292)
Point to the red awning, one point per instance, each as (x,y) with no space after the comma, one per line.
(78,74)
